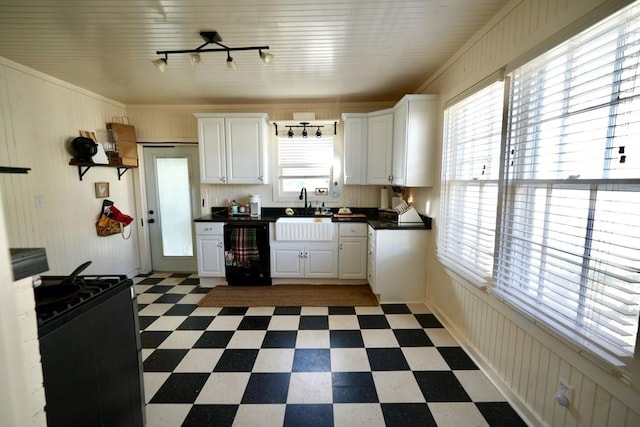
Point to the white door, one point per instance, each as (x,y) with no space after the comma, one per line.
(173,191)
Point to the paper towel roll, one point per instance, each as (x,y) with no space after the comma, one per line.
(384,198)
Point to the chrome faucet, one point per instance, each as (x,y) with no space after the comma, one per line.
(304,191)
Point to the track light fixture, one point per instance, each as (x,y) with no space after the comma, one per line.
(304,132)
(210,37)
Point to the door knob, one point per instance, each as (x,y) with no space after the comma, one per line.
(151,221)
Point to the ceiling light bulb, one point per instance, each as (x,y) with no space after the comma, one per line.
(230,64)
(304,132)
(160,63)
(265,57)
(290,133)
(318,133)
(194,58)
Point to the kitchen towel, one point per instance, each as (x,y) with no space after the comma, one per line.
(244,246)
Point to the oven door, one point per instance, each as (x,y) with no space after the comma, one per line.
(246,254)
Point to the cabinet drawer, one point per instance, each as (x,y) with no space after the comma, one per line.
(209,228)
(355,229)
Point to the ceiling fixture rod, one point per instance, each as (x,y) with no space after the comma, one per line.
(210,37)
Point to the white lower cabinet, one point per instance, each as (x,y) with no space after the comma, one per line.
(352,248)
(302,259)
(210,249)
(396,264)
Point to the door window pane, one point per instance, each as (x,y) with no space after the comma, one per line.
(174,203)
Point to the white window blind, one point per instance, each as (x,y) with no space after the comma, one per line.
(569,236)
(469,190)
(305,162)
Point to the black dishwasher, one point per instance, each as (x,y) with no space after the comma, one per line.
(246,254)
(90,351)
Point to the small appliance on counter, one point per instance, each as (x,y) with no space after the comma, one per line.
(255,205)
(402,214)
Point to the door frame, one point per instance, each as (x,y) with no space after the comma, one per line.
(140,191)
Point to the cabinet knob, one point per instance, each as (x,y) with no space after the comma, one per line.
(219,244)
(151,221)
(340,246)
(151,212)
(224,179)
(261,178)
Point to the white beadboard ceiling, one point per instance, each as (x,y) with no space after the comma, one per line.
(330,51)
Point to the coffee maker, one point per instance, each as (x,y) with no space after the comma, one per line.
(255,205)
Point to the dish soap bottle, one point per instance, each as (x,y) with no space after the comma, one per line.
(336,190)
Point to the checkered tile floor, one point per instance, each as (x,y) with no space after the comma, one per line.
(392,365)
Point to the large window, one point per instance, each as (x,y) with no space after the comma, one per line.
(568,212)
(304,162)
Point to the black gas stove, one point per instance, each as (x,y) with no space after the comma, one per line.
(90,350)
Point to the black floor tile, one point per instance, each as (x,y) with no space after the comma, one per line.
(407,415)
(395,309)
(500,414)
(151,281)
(213,339)
(157,289)
(440,386)
(145,321)
(311,360)
(180,388)
(314,322)
(373,321)
(181,310)
(197,290)
(193,281)
(254,323)
(456,358)
(169,298)
(345,339)
(152,339)
(144,274)
(353,387)
(267,388)
(196,323)
(210,415)
(428,321)
(164,360)
(236,360)
(387,359)
(316,415)
(185,275)
(281,311)
(342,310)
(280,339)
(412,338)
(233,311)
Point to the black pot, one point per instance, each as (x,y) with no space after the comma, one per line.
(84,148)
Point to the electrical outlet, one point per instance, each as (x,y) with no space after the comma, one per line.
(563,393)
(39,200)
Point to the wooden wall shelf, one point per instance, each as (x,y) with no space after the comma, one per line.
(83,168)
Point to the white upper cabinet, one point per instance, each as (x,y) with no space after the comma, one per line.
(414,134)
(233,148)
(355,148)
(380,141)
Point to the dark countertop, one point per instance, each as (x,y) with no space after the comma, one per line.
(272,214)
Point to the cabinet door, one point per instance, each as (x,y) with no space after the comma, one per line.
(399,167)
(210,255)
(379,145)
(244,150)
(286,260)
(212,150)
(352,258)
(321,261)
(355,149)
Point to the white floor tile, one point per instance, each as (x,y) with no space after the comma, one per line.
(441,338)
(152,383)
(224,388)
(165,415)
(310,387)
(284,323)
(478,386)
(343,322)
(457,414)
(425,359)
(274,360)
(260,311)
(155,309)
(200,360)
(206,311)
(147,298)
(418,308)
(379,338)
(160,275)
(349,360)
(397,387)
(357,415)
(166,323)
(259,415)
(182,289)
(246,339)
(369,310)
(314,311)
(191,299)
(403,321)
(225,323)
(181,339)
(312,339)
(169,281)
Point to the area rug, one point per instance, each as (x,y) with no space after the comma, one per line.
(290,296)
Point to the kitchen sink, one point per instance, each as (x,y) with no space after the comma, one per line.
(304,229)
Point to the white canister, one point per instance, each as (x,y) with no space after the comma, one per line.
(255,205)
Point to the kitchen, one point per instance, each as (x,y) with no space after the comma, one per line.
(38,109)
